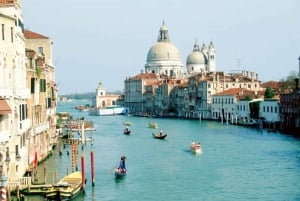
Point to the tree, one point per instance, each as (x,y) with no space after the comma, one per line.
(269,93)
(248,98)
(288,83)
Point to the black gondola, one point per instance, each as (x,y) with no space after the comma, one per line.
(159,136)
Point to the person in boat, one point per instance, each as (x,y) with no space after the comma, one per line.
(160,132)
(122,166)
(192,143)
(126,129)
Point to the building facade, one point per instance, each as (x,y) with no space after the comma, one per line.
(103,100)
(164,57)
(27,94)
(43,96)
(15,122)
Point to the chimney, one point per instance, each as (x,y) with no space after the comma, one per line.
(256,77)
(252,76)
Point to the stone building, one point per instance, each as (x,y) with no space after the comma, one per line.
(14,119)
(139,92)
(201,59)
(290,110)
(103,100)
(27,93)
(163,57)
(205,84)
(43,96)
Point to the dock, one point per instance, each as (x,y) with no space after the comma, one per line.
(25,186)
(36,189)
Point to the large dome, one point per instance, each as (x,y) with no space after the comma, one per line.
(163,51)
(195,58)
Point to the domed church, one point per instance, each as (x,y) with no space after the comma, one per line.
(163,57)
(201,60)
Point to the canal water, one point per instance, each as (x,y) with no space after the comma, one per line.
(237,163)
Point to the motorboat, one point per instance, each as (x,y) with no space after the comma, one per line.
(195,147)
(152,125)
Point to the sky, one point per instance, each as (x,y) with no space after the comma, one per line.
(108,40)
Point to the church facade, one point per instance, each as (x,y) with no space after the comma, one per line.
(166,88)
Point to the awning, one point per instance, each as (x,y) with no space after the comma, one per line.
(4,107)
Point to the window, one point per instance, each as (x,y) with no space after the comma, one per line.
(48,102)
(23,111)
(32,85)
(3,32)
(12,34)
(17,151)
(41,50)
(42,85)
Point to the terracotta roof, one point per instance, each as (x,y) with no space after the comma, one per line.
(152,82)
(4,107)
(4,2)
(144,76)
(271,84)
(235,91)
(32,35)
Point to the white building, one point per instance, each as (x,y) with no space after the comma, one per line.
(102,99)
(224,105)
(269,110)
(42,101)
(163,57)
(14,122)
(201,60)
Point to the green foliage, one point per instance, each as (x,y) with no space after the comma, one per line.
(288,83)
(269,93)
(248,98)
(38,71)
(254,109)
(58,123)
(87,95)
(79,96)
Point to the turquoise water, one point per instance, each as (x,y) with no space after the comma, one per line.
(236,164)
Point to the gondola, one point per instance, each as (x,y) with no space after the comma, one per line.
(120,172)
(159,136)
(126,131)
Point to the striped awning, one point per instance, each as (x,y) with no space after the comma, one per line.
(4,107)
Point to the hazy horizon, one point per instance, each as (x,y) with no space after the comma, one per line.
(108,41)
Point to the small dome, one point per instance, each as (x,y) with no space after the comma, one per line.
(163,51)
(196,58)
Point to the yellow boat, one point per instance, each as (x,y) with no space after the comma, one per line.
(67,188)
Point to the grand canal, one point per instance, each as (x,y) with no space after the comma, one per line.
(237,163)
